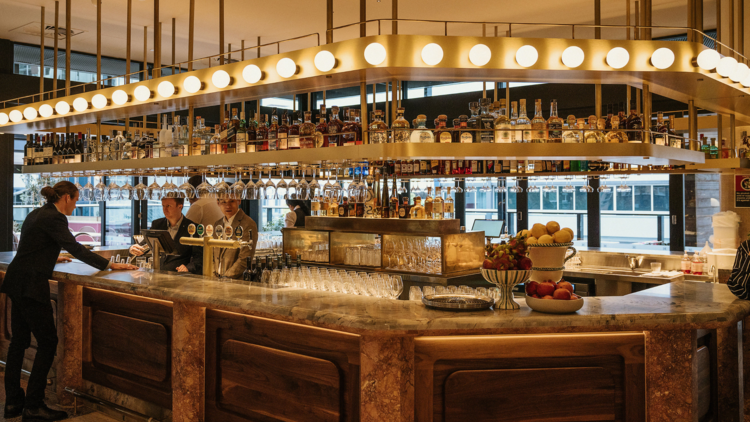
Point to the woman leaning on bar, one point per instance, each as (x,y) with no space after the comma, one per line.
(44,233)
(738,280)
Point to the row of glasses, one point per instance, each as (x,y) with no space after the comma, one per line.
(335,280)
(416,293)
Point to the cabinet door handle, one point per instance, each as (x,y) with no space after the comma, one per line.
(674,220)
(520,215)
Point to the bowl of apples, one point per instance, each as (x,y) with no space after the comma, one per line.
(505,266)
(552,298)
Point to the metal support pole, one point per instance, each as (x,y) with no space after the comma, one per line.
(718,26)
(628,99)
(495,97)
(41,59)
(191,37)
(698,19)
(98,46)
(394,100)
(394,16)
(638,101)
(363,114)
(646,107)
(329,22)
(507,97)
(730,30)
(732,137)
(598,19)
(644,6)
(363,18)
(598,100)
(637,31)
(258,47)
(719,127)
(374,95)
(691,19)
(221,38)
(647,11)
(129,21)
(692,120)
(67,45)
(387,113)
(57,34)
(174,37)
(145,66)
(627,19)
(157,41)
(741,27)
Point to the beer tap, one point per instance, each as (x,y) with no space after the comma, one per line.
(209,243)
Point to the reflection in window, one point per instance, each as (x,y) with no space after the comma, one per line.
(119,217)
(534,201)
(549,200)
(642,198)
(661,198)
(606,201)
(624,200)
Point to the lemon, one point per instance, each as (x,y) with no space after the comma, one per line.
(546,239)
(553,227)
(538,230)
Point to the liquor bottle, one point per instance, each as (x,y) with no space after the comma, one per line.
(438,204)
(252,136)
(70,148)
(166,139)
(554,124)
(115,145)
(183,137)
(307,132)
(442,134)
(400,126)
(393,201)
(151,144)
(127,147)
(355,116)
(294,128)
(48,149)
(315,206)
(421,134)
(486,122)
(474,121)
(592,136)
(321,130)
(538,124)
(714,148)
(335,126)
(571,135)
(343,208)
(262,134)
(233,126)
(215,142)
(358,204)
(615,136)
(523,124)
(78,149)
(404,210)
(283,133)
(241,136)
(428,202)
(502,125)
(28,151)
(273,132)
(514,137)
(325,208)
(195,141)
(744,148)
(384,202)
(55,149)
(450,212)
(634,123)
(608,122)
(417,210)
(378,129)
(247,274)
(350,128)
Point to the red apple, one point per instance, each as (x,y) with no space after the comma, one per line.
(548,297)
(487,264)
(531,287)
(545,288)
(565,285)
(575,297)
(561,294)
(535,296)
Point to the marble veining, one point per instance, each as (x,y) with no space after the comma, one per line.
(679,305)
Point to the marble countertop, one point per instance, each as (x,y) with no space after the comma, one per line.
(679,305)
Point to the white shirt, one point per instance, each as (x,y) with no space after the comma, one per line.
(174,229)
(228,222)
(290,219)
(205,211)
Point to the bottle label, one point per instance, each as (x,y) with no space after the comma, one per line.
(315,206)
(449,207)
(250,147)
(445,138)
(437,208)
(401,136)
(503,135)
(47,152)
(294,142)
(30,152)
(319,139)
(466,138)
(342,210)
(402,212)
(378,138)
(555,130)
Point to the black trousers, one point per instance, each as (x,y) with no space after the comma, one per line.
(27,317)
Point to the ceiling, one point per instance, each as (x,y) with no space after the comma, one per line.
(249,19)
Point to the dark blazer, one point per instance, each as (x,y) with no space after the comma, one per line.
(189,256)
(300,217)
(43,234)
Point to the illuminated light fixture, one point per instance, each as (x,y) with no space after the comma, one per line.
(375,54)
(192,84)
(45,110)
(662,58)
(62,108)
(726,66)
(251,74)
(286,67)
(16,116)
(142,93)
(708,59)
(432,54)
(324,61)
(80,104)
(165,89)
(220,79)
(746,82)
(618,57)
(120,97)
(480,55)
(573,56)
(99,101)
(4,118)
(29,113)
(740,73)
(526,56)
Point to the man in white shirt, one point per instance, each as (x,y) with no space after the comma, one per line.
(204,210)
(231,263)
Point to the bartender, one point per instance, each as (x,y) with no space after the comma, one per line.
(738,280)
(298,210)
(231,263)
(43,234)
(202,210)
(187,258)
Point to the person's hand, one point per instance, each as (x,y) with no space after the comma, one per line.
(182,269)
(62,259)
(136,250)
(122,267)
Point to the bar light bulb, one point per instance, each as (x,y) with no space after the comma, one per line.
(375,54)
(45,110)
(120,97)
(480,55)
(573,56)
(80,104)
(662,58)
(99,101)
(221,79)
(142,93)
(62,108)
(618,57)
(726,66)
(746,82)
(29,113)
(324,61)
(527,56)
(165,89)
(192,84)
(740,73)
(251,74)
(16,116)
(432,54)
(286,68)
(708,59)
(4,119)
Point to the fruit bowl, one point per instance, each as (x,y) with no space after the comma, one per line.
(505,280)
(553,306)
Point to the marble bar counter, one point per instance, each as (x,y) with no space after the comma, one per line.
(210,350)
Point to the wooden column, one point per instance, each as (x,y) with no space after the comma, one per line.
(732,134)
(41,59)
(394,16)
(99,47)
(157,42)
(718,26)
(329,23)
(598,100)
(221,52)
(363,113)
(730,378)
(386,379)
(627,19)
(692,120)
(730,29)
(597,19)
(70,344)
(188,362)
(128,40)
(191,34)
(145,66)
(671,376)
(54,60)
(363,18)
(67,46)
(647,10)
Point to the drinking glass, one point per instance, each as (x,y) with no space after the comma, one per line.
(221,189)
(281,187)
(328,187)
(126,190)
(314,186)
(205,189)
(269,190)
(292,191)
(238,187)
(251,190)
(656,267)
(100,190)
(303,187)
(113,191)
(78,185)
(87,194)
(170,190)
(187,189)
(140,189)
(154,192)
(337,189)
(428,291)
(415,293)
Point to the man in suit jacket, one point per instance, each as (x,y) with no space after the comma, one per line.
(188,258)
(231,263)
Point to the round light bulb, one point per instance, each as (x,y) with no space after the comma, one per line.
(4,118)
(192,84)
(432,54)
(165,89)
(16,116)
(62,108)
(618,57)
(80,104)
(29,113)
(526,56)
(286,67)
(251,74)
(708,59)
(324,61)
(573,56)
(480,55)
(119,97)
(662,58)
(746,82)
(726,66)
(740,72)
(220,79)
(45,110)
(375,54)
(142,93)
(99,101)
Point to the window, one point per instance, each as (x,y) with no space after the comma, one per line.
(642,198)
(549,199)
(624,199)
(119,218)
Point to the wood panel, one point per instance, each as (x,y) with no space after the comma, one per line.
(704,381)
(544,394)
(259,369)
(131,345)
(260,378)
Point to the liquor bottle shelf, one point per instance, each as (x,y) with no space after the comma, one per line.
(632,153)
